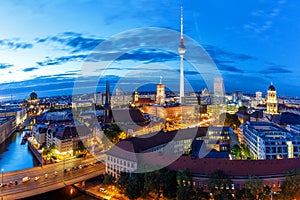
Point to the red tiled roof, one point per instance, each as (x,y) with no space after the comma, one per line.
(236,167)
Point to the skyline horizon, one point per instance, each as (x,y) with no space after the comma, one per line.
(47,45)
(148,88)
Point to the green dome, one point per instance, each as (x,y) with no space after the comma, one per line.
(33,96)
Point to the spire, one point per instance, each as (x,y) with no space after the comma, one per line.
(181,23)
(160,81)
(107,95)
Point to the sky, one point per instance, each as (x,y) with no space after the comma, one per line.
(62,47)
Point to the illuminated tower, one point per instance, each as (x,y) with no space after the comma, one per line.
(136,95)
(272,104)
(160,93)
(181,51)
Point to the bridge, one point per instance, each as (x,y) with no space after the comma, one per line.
(57,177)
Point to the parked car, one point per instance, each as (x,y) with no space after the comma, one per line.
(25,179)
(55,173)
(36,178)
(46,175)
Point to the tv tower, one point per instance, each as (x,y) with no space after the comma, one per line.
(181,51)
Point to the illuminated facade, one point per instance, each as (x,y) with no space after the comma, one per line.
(272,103)
(268,141)
(32,103)
(160,93)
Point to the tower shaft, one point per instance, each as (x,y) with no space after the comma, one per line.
(181,51)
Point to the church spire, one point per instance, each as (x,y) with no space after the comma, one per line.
(107,95)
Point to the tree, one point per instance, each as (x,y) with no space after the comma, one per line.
(236,151)
(291,186)
(231,120)
(201,194)
(135,186)
(184,181)
(152,183)
(123,181)
(108,179)
(169,182)
(255,185)
(219,183)
(114,133)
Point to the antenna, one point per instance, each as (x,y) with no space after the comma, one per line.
(181,24)
(160,82)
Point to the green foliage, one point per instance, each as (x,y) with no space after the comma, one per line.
(231,120)
(123,181)
(113,133)
(81,146)
(255,185)
(108,179)
(142,184)
(184,180)
(169,183)
(291,186)
(135,186)
(219,183)
(236,151)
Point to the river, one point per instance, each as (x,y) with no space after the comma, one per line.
(14,156)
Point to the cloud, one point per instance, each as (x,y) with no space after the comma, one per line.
(15,44)
(276,69)
(263,19)
(220,54)
(61,60)
(74,42)
(29,69)
(228,68)
(5,65)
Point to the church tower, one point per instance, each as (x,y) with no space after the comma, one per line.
(181,51)
(107,107)
(136,95)
(272,103)
(160,93)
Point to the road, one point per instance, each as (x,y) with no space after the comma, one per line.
(52,182)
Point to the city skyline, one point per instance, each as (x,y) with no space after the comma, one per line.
(44,45)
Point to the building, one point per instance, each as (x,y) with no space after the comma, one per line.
(272,103)
(219,92)
(7,127)
(266,140)
(124,156)
(271,172)
(40,133)
(160,93)
(18,112)
(219,87)
(32,104)
(219,138)
(176,112)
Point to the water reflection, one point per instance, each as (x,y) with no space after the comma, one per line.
(14,156)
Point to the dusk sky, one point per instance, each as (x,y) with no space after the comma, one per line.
(44,44)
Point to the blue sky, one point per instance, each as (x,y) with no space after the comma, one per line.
(47,45)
